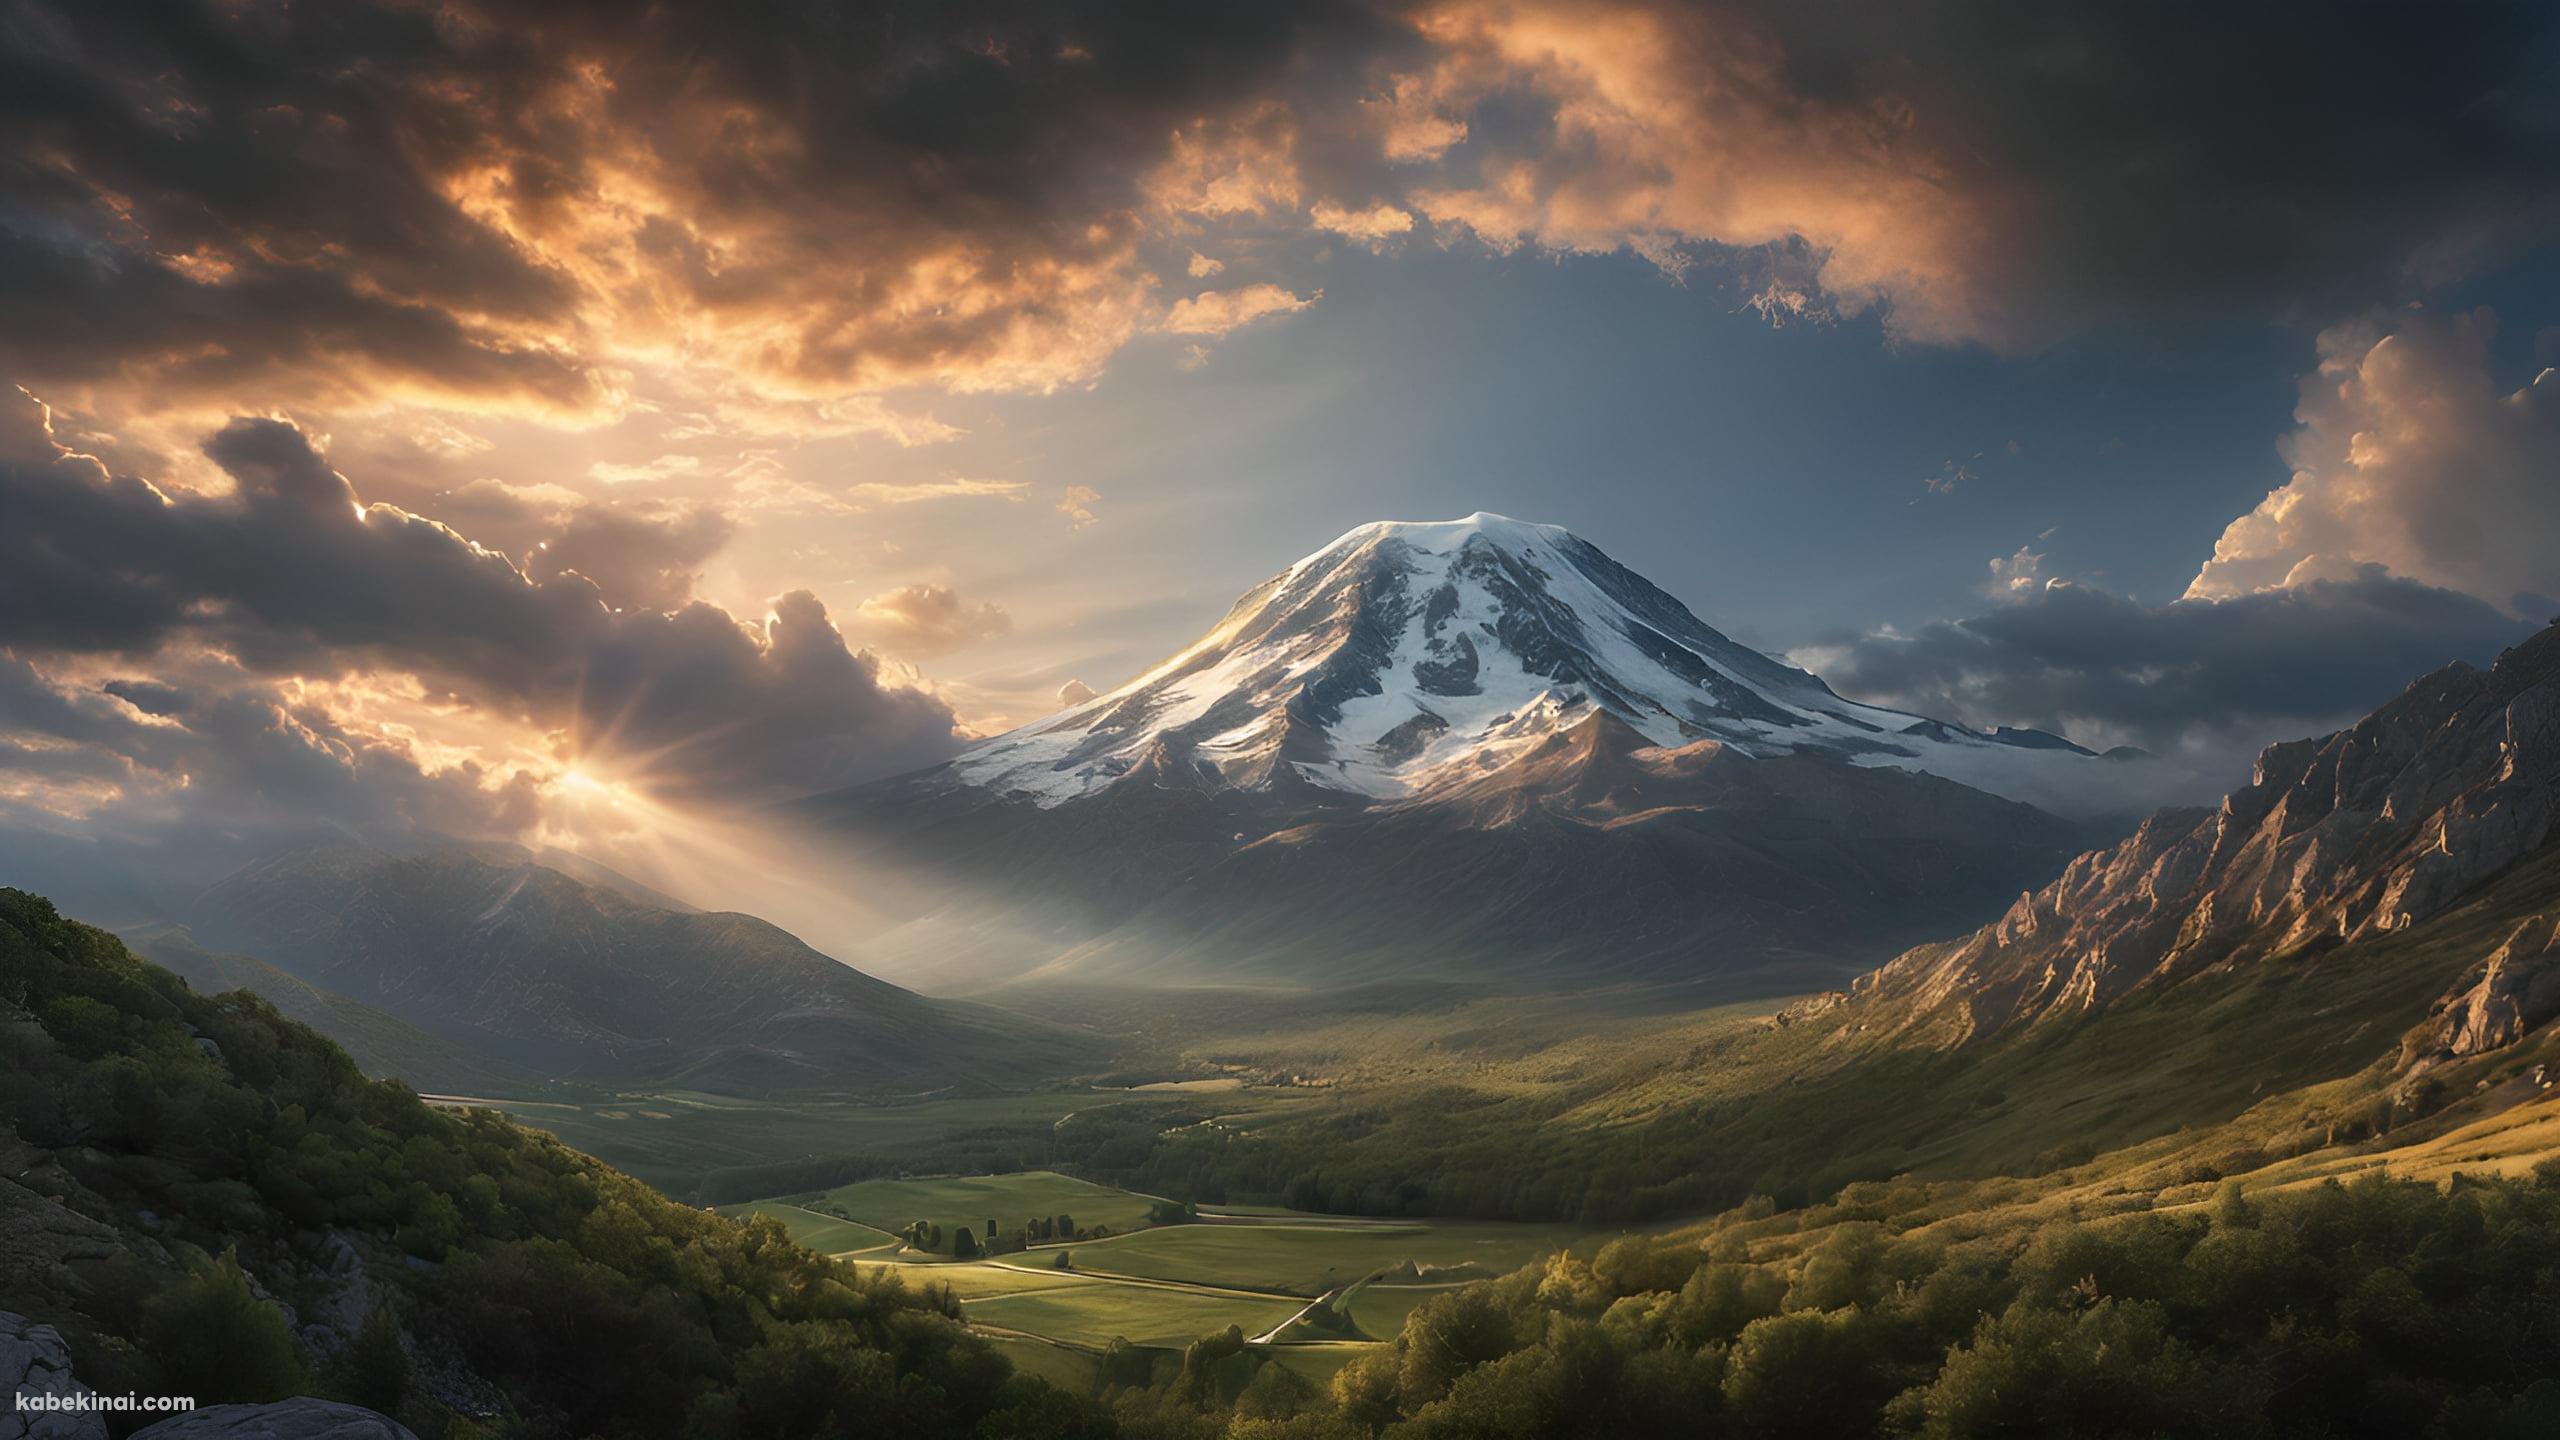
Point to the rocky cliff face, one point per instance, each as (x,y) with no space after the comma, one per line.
(2373,829)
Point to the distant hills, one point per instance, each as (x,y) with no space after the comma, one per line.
(1479,748)
(381,1044)
(449,959)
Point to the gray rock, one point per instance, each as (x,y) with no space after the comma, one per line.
(301,1418)
(2375,829)
(34,1361)
(2517,992)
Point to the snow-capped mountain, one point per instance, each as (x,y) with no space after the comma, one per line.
(1406,656)
(1476,749)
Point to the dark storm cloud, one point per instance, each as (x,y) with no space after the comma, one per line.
(125,817)
(2208,679)
(2004,171)
(482,201)
(2204,154)
(292,576)
(638,559)
(493,203)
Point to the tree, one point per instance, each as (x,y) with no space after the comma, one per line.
(376,1370)
(217,1341)
(1066,1227)
(964,1244)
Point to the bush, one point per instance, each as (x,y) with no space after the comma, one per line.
(214,1339)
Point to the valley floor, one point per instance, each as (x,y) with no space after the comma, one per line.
(1312,1291)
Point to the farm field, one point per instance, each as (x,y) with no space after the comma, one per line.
(1095,1311)
(825,1234)
(1162,1287)
(973,1279)
(1309,1256)
(1379,1310)
(973,1200)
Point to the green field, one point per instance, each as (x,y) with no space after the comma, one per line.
(975,1280)
(1162,1286)
(1379,1310)
(1069,1369)
(973,1200)
(1317,1362)
(823,1233)
(1098,1310)
(1313,1257)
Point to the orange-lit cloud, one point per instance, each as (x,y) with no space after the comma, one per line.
(2410,460)
(1675,127)
(1371,226)
(924,620)
(592,648)
(1216,312)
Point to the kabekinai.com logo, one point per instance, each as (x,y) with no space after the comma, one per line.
(85,1403)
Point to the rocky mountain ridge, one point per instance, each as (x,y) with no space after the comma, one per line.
(2367,831)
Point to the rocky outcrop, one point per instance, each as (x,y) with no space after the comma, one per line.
(2370,830)
(301,1418)
(34,1362)
(2517,990)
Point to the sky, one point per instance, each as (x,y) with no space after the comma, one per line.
(548,421)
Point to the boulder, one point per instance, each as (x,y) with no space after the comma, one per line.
(301,1418)
(34,1361)
(2519,990)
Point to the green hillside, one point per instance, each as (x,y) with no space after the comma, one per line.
(242,1215)
(382,1045)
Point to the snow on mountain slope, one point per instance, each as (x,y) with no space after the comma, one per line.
(1405,657)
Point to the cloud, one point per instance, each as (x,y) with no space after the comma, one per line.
(955,487)
(1074,693)
(2410,458)
(2203,682)
(1372,227)
(637,559)
(924,620)
(121,796)
(492,204)
(1985,172)
(2018,573)
(2421,526)
(1216,312)
(1240,167)
(291,578)
(1076,502)
(1202,267)
(501,206)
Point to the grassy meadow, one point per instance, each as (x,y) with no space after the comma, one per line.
(1309,1257)
(973,1200)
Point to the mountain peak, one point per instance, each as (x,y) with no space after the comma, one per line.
(1438,535)
(1407,653)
